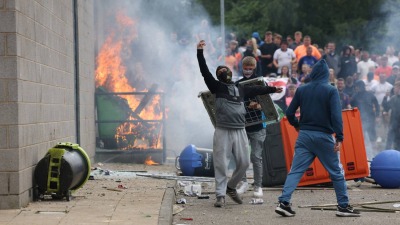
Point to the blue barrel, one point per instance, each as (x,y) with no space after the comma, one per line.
(385,169)
(196,162)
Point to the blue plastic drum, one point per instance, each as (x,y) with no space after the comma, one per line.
(196,162)
(385,169)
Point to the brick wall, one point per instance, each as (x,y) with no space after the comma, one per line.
(37,87)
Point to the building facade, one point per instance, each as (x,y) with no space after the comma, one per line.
(47,62)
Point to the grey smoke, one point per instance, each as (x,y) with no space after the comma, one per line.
(154,59)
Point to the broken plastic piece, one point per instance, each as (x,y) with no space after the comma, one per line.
(257,201)
(181,201)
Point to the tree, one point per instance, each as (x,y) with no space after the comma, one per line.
(361,23)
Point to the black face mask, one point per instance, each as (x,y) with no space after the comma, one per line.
(225,76)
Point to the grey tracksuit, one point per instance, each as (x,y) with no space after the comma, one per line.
(230,139)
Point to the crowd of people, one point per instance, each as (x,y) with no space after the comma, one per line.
(232,137)
(366,81)
(320,83)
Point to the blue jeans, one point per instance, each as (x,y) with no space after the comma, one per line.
(311,144)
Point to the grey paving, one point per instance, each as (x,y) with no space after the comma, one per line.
(146,200)
(139,200)
(202,211)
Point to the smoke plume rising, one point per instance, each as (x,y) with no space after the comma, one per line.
(158,41)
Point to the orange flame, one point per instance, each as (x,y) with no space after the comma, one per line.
(150,162)
(111,74)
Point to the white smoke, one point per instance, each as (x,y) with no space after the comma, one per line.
(171,65)
(390,8)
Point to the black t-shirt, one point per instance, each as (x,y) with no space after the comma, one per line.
(268,49)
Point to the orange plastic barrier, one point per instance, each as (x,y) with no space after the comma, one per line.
(353,155)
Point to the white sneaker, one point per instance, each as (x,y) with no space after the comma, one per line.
(258,193)
(242,187)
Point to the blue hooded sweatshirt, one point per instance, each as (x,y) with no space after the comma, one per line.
(319,103)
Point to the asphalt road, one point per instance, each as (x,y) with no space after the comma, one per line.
(202,211)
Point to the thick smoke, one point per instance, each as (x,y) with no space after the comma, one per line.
(388,38)
(390,8)
(164,53)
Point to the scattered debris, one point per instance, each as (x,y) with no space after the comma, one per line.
(192,190)
(184,218)
(359,209)
(184,183)
(299,188)
(177,209)
(354,204)
(173,177)
(380,208)
(256,201)
(114,189)
(122,186)
(362,206)
(203,197)
(52,212)
(181,201)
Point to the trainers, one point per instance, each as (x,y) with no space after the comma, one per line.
(242,187)
(284,210)
(258,192)
(358,181)
(234,195)
(347,212)
(220,202)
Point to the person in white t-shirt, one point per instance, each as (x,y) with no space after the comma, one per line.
(284,57)
(390,54)
(381,88)
(370,81)
(363,67)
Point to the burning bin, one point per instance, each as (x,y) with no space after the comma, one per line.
(196,162)
(64,168)
(110,108)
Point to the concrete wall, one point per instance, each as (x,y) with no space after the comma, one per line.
(37,87)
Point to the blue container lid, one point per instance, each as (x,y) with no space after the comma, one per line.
(189,159)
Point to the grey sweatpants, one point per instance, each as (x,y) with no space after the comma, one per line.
(229,143)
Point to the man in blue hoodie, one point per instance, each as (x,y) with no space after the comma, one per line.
(320,118)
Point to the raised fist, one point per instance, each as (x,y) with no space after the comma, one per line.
(201,44)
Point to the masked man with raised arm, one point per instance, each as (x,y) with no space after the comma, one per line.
(230,139)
